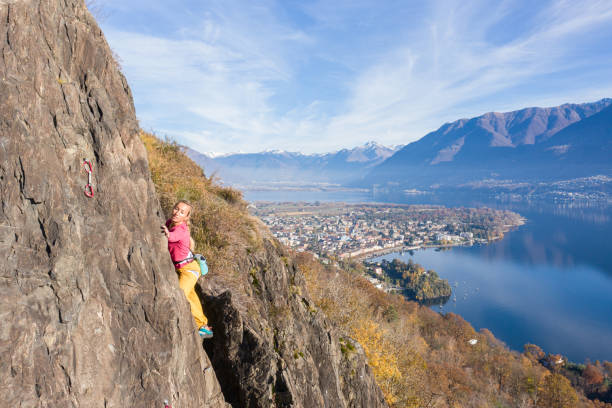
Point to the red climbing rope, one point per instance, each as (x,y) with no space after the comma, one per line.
(89,169)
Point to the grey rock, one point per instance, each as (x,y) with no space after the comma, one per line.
(90,307)
(272,347)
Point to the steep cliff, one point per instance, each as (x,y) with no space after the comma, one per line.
(91,312)
(279,350)
(272,345)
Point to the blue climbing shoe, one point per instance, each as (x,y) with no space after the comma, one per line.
(205,332)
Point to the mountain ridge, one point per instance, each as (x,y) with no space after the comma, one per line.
(282,166)
(490,145)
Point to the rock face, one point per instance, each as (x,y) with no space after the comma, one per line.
(273,348)
(90,308)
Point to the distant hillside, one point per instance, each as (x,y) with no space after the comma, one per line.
(530,144)
(288,167)
(586,142)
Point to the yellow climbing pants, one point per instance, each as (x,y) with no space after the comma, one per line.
(188,276)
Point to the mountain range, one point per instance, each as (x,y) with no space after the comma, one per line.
(528,145)
(533,144)
(279,167)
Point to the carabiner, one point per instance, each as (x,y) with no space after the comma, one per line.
(87,166)
(89,169)
(89,191)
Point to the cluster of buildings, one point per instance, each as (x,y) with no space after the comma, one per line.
(361,230)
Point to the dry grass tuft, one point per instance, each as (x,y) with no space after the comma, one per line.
(220,225)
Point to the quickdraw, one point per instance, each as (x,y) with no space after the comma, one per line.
(89,169)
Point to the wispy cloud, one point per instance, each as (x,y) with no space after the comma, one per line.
(213,79)
(228,76)
(455,69)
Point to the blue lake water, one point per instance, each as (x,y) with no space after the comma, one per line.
(549,282)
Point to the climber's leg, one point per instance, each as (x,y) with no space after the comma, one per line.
(188,276)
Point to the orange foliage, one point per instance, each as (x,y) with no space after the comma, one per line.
(592,375)
(557,392)
(423,359)
(384,364)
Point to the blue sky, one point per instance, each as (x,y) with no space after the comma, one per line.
(316,76)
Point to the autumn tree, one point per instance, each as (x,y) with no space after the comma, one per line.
(533,352)
(384,365)
(501,367)
(592,375)
(556,392)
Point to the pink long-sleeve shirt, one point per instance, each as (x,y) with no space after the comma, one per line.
(178,241)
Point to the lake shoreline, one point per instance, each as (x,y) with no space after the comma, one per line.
(368,255)
(518,286)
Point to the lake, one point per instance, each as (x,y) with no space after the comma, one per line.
(549,282)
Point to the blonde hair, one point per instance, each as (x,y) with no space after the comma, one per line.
(188,221)
(186,203)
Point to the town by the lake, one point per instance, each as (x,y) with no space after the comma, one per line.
(358,230)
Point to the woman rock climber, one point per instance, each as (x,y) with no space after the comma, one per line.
(180,246)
